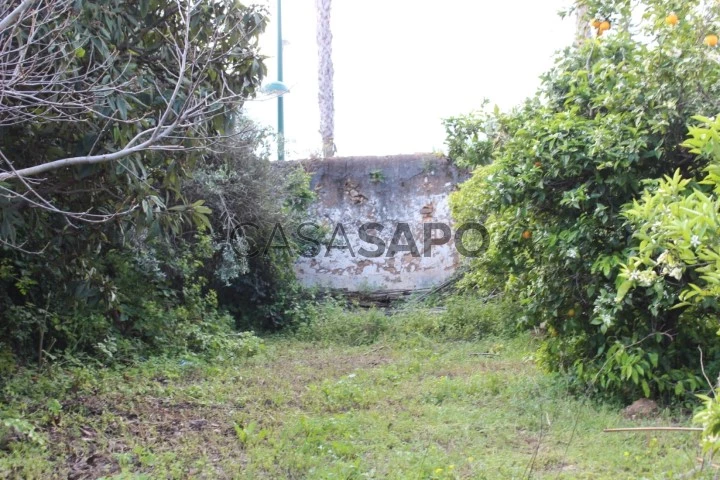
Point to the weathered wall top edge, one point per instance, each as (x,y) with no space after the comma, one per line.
(373,159)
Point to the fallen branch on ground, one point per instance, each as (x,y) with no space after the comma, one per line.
(649,429)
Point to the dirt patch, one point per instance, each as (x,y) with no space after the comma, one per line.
(641,408)
(112,425)
(94,465)
(329,366)
(469,369)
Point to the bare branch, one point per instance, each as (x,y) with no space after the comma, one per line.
(13,16)
(55,93)
(41,81)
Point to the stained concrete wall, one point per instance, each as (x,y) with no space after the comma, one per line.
(410,189)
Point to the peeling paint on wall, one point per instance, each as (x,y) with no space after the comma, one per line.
(352,191)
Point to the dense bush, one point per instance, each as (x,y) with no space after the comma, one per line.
(139,255)
(677,251)
(168,292)
(608,117)
(242,188)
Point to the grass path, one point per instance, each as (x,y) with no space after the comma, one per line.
(415,409)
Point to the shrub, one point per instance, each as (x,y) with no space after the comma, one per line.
(608,117)
(148,288)
(240,185)
(677,258)
(132,270)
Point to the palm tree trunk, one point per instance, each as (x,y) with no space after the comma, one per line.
(326,98)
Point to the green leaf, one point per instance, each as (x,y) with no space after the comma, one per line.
(679,389)
(653,359)
(623,290)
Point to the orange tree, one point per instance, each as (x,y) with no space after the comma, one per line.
(608,117)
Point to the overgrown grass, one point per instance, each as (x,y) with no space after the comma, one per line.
(352,395)
(461,318)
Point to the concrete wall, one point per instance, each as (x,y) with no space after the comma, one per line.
(410,189)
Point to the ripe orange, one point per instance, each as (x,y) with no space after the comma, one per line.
(527,235)
(603,26)
(711,40)
(672,19)
(595,23)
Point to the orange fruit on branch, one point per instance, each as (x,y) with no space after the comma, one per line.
(711,40)
(672,19)
(595,23)
(527,235)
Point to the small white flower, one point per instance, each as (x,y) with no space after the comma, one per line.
(676,273)
(572,253)
(634,276)
(647,278)
(695,241)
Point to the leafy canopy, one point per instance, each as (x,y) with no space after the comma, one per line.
(608,118)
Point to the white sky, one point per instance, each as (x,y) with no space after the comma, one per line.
(403,65)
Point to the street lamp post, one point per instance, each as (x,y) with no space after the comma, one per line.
(281,113)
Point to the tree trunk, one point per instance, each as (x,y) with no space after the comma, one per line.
(326,99)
